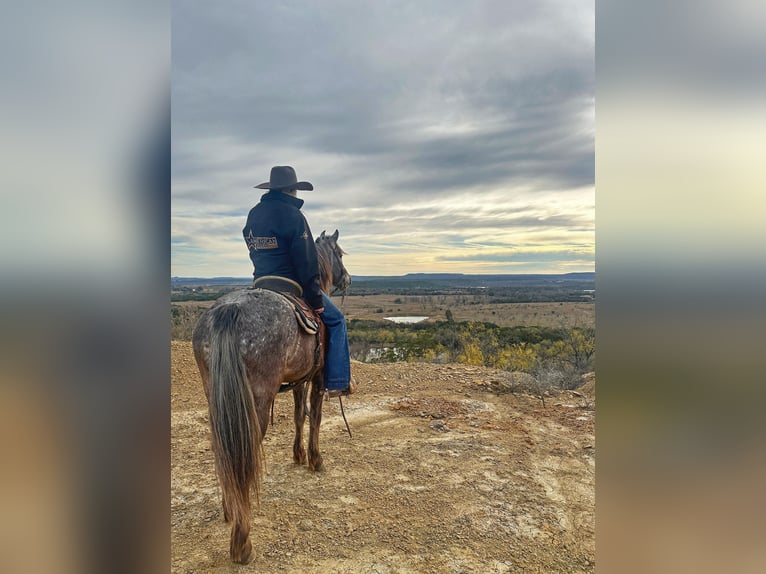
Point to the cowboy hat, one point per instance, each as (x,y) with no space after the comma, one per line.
(283,177)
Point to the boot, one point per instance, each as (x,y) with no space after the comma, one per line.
(351,389)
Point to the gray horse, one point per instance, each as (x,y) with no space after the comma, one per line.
(246,346)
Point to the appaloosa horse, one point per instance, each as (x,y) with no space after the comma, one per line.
(246,346)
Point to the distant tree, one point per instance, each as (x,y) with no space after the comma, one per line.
(450,318)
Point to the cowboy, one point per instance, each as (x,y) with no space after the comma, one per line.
(280,243)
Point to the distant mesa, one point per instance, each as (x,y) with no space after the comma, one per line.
(461,277)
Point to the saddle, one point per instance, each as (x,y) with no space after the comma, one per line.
(305,315)
(290,290)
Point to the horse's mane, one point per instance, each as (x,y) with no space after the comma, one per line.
(325,267)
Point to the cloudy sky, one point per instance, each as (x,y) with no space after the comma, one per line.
(439,136)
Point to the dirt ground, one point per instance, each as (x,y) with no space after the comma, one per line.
(446,472)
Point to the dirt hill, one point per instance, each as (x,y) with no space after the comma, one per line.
(446,472)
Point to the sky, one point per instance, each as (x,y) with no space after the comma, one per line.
(439,136)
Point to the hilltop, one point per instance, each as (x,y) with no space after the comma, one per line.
(447,471)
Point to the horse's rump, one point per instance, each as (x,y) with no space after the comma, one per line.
(272,345)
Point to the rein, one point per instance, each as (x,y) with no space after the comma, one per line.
(342,412)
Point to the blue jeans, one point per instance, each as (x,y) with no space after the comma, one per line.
(337,365)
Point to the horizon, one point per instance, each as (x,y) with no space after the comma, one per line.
(249,277)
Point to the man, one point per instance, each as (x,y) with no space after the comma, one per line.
(280,243)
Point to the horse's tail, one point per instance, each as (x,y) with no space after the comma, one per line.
(234,420)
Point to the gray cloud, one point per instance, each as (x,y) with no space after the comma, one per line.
(380,103)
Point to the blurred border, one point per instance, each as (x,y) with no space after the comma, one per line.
(84,253)
(680,181)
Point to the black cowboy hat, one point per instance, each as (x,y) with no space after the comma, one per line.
(283,177)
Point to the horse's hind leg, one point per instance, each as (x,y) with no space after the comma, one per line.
(241,548)
(299,396)
(315,419)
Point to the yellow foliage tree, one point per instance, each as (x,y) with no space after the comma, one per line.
(471,354)
(516,358)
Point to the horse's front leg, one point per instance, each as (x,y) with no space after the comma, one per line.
(299,397)
(315,419)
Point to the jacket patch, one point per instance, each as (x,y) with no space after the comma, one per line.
(259,243)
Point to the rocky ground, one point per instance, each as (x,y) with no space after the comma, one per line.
(446,472)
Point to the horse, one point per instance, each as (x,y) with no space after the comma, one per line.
(247,345)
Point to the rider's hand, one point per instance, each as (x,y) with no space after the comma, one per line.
(319,311)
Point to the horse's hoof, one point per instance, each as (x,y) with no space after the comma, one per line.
(302,459)
(318,467)
(244,556)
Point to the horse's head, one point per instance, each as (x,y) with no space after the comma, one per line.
(334,276)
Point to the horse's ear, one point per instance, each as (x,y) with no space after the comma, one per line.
(322,235)
(335,235)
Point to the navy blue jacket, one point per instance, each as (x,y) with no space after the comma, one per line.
(280,243)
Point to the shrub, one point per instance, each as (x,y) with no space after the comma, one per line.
(471,355)
(182,321)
